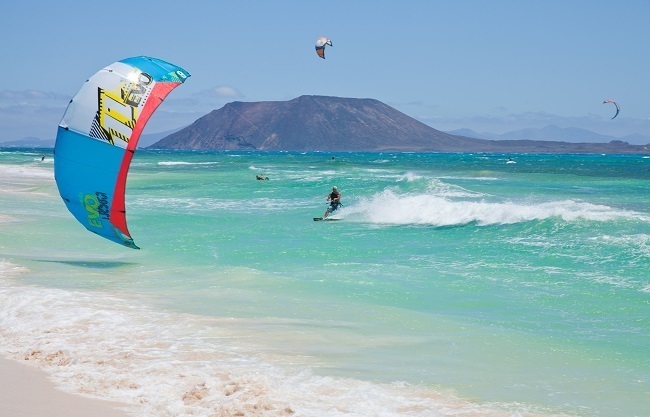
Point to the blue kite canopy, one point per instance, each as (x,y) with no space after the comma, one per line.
(98,135)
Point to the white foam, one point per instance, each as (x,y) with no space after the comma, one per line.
(637,245)
(174,364)
(22,172)
(199,205)
(409,177)
(442,189)
(7,219)
(437,208)
(254,168)
(8,269)
(19,179)
(174,163)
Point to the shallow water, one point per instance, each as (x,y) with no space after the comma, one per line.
(455,284)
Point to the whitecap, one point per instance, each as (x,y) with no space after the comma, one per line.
(172,163)
(438,208)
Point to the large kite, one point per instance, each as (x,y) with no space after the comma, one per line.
(97,137)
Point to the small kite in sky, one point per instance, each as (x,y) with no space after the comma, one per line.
(616,104)
(320,46)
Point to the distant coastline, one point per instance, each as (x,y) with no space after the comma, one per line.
(335,124)
(323,123)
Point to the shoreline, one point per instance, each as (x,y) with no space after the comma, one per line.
(26,391)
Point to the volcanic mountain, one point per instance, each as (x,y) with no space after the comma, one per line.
(312,123)
(320,123)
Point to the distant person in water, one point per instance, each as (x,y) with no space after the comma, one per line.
(335,201)
(42,158)
(261,177)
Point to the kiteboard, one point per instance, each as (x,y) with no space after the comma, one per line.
(328,219)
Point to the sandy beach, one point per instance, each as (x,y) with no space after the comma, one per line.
(27,392)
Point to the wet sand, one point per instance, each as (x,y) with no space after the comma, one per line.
(27,392)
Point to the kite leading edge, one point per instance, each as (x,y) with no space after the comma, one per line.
(98,135)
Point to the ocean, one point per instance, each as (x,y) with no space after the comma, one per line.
(453,285)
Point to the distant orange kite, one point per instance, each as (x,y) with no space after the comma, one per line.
(320,46)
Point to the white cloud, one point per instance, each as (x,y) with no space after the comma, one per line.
(227,92)
(205,100)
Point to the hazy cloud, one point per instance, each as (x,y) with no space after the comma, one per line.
(200,103)
(205,100)
(516,121)
(413,103)
(29,120)
(221,94)
(225,91)
(29,95)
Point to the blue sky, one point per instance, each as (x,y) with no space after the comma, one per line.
(490,66)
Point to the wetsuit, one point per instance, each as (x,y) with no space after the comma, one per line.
(334,204)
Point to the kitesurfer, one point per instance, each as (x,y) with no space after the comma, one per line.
(42,158)
(335,201)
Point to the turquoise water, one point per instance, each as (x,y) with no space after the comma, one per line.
(455,284)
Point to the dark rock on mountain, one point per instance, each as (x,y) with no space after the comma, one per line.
(318,123)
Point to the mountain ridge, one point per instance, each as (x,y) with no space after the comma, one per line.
(553,133)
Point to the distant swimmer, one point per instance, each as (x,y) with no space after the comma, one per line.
(511,161)
(261,177)
(335,201)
